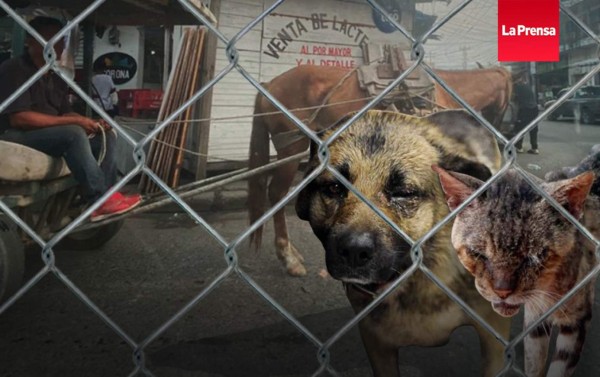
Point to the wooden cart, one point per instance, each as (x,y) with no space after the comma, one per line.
(41,190)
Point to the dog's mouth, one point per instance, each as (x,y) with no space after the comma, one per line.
(370,289)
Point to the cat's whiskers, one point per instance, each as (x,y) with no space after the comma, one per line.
(554,298)
(534,307)
(538,302)
(548,300)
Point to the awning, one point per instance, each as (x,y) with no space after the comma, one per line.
(125,12)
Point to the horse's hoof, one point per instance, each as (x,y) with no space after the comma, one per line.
(292,260)
(296,269)
(296,253)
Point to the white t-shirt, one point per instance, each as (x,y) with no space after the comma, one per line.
(105,86)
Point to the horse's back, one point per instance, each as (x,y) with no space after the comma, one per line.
(486,90)
(305,84)
(308,89)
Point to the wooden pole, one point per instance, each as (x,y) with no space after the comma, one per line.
(157,152)
(189,111)
(88,61)
(172,137)
(201,132)
(168,52)
(145,183)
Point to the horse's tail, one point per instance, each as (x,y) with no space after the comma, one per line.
(259,156)
(509,86)
(506,99)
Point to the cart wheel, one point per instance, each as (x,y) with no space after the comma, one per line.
(93,238)
(12,260)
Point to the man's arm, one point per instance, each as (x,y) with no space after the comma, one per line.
(29,120)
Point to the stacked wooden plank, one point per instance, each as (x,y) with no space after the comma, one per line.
(165,156)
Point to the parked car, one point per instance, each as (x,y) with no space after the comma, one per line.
(554,98)
(586,101)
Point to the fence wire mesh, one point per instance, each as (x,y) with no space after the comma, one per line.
(230,248)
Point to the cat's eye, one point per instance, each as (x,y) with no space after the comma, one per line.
(536,259)
(530,261)
(474,253)
(544,253)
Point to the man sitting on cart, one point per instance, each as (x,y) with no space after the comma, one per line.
(41,118)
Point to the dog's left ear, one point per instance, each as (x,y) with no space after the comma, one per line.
(303,198)
(459,125)
(462,165)
(303,204)
(464,128)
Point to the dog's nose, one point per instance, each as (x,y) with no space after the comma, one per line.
(356,248)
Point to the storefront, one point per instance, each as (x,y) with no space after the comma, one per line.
(311,32)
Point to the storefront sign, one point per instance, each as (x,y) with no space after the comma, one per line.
(342,50)
(382,22)
(121,67)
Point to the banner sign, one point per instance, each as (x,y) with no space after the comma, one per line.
(528,30)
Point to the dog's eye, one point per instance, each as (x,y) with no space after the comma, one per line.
(401,193)
(334,189)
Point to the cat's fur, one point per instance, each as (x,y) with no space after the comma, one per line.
(521,250)
(591,162)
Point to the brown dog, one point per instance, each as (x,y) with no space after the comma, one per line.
(388,157)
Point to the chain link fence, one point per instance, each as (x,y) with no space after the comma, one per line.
(230,249)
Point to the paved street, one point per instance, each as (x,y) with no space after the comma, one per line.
(561,144)
(160,261)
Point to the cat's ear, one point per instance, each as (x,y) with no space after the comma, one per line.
(572,193)
(457,187)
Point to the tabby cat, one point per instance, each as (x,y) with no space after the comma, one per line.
(522,251)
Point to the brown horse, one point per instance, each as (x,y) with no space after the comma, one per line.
(309,87)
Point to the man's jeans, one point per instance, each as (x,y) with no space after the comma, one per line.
(79,152)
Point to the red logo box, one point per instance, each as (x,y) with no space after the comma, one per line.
(528,30)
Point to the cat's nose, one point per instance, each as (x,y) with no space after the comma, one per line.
(505,283)
(503,293)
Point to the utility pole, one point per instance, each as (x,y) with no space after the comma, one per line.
(530,73)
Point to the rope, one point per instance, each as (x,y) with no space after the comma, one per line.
(236,117)
(198,154)
(318,108)
(102,153)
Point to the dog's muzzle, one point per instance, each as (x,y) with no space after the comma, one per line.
(357,257)
(356,250)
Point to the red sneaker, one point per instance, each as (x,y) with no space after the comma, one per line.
(116,204)
(132,198)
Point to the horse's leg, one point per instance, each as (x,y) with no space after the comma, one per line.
(278,188)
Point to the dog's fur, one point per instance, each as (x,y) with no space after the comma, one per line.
(388,158)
